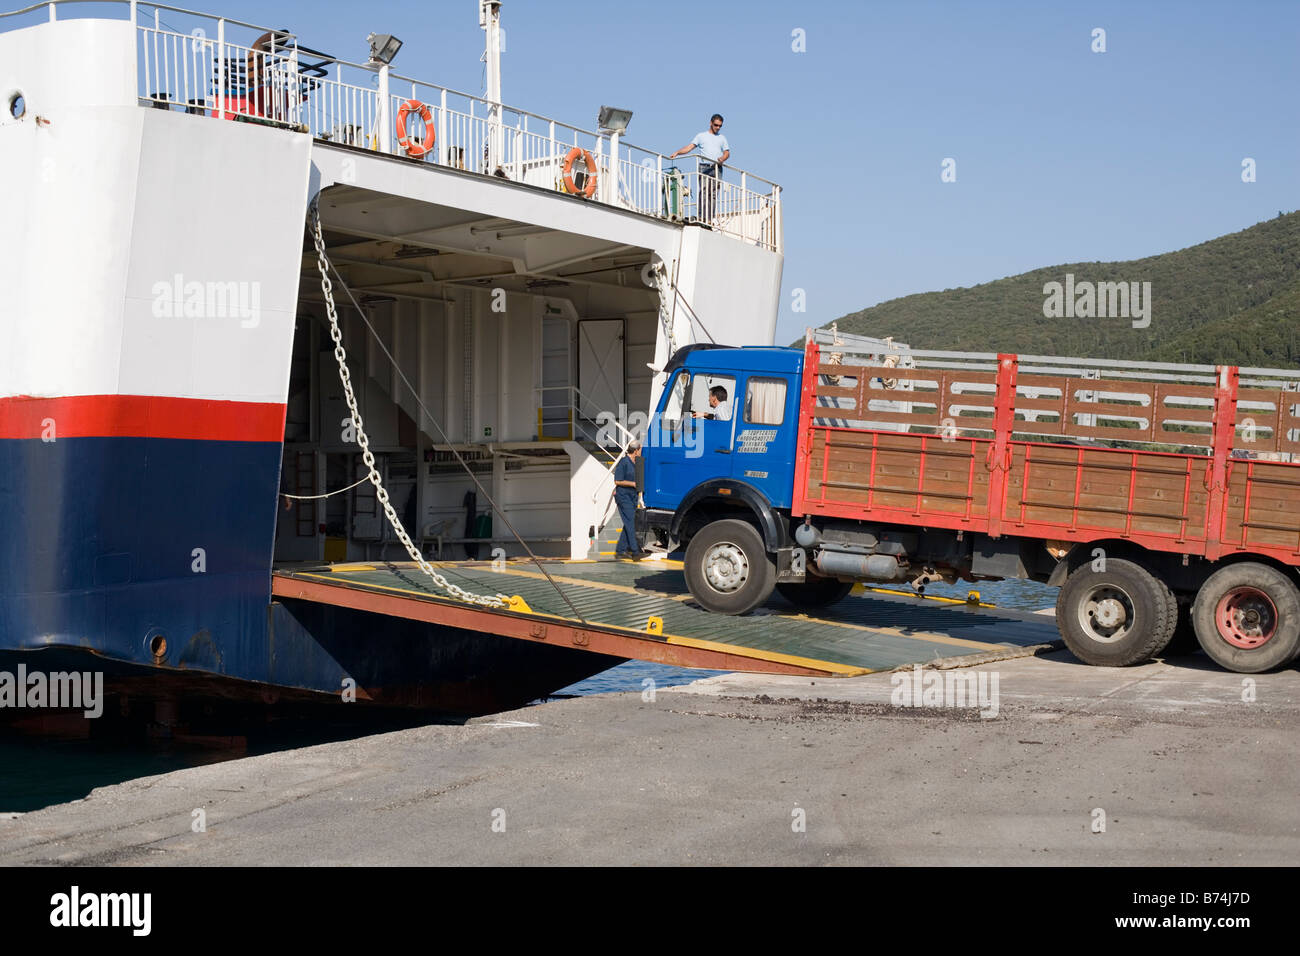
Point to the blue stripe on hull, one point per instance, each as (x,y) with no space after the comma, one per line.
(96,553)
(97,542)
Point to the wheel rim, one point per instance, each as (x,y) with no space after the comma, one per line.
(1246,617)
(1106,614)
(725,567)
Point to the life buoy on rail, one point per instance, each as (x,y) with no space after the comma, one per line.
(589,187)
(414,147)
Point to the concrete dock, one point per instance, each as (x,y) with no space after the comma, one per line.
(1168,763)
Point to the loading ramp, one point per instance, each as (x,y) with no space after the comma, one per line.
(643,611)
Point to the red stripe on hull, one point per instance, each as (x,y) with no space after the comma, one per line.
(140,416)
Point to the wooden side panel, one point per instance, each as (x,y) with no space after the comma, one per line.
(867,471)
(1122,493)
(1268,420)
(1123,410)
(936,399)
(1262,507)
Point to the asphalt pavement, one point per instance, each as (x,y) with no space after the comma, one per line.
(1168,763)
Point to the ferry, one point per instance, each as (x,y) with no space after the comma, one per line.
(267,310)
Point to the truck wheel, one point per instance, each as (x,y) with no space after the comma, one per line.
(1247,617)
(1117,617)
(728,569)
(815,591)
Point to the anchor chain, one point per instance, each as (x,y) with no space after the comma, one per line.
(327,287)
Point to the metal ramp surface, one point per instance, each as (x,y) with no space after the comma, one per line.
(643,611)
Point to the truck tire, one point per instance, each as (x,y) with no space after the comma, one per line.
(1121,616)
(728,569)
(815,591)
(1247,617)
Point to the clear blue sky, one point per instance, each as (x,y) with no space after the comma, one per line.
(1062,154)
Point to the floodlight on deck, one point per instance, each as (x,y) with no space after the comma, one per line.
(613,119)
(383,47)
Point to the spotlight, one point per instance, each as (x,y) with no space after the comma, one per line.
(383,47)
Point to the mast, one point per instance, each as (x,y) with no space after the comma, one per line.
(489,19)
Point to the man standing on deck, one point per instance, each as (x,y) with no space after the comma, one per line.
(625,498)
(713,145)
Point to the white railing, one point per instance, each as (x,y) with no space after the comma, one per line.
(219,67)
(565,413)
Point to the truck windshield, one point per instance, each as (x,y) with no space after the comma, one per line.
(676,397)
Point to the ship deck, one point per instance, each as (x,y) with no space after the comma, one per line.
(643,611)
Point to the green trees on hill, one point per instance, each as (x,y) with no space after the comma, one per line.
(1232,300)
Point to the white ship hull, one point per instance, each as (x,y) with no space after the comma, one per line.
(167,373)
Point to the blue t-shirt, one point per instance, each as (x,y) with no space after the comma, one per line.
(625,470)
(712,145)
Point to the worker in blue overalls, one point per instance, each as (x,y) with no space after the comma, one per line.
(625,497)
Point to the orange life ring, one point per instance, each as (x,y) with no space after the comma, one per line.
(589,188)
(412,146)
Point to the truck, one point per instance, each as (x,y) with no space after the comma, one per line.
(1161,499)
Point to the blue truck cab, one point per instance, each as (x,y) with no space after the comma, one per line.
(720,454)
(726,415)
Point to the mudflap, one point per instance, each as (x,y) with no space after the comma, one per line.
(791,565)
